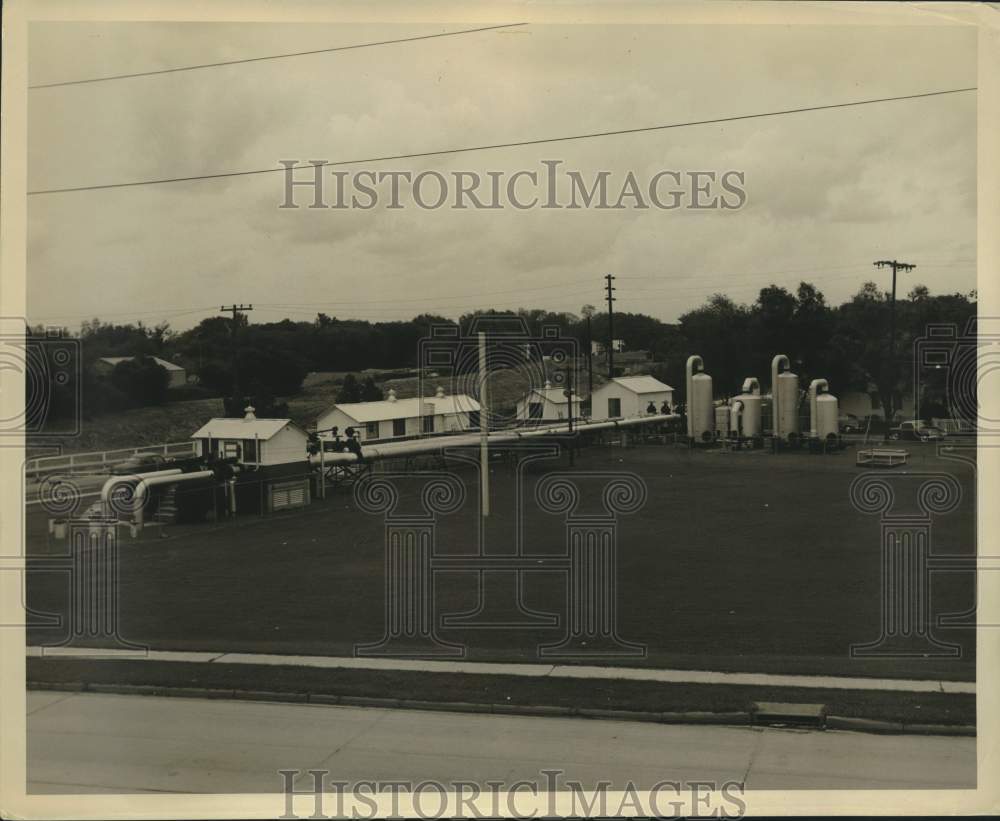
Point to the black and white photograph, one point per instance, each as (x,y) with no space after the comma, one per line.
(516,410)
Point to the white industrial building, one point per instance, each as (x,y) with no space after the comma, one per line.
(628,396)
(391,417)
(178,376)
(547,403)
(253,441)
(272,456)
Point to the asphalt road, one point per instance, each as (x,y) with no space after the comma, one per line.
(91,743)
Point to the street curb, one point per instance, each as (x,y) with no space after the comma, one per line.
(866,725)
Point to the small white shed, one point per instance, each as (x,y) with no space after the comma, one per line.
(546,403)
(253,441)
(629,396)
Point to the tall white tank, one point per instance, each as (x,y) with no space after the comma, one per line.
(827,415)
(700,413)
(749,417)
(787,421)
(700,410)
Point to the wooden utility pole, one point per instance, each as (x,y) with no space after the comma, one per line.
(896,266)
(611,327)
(236,311)
(484,430)
(568,393)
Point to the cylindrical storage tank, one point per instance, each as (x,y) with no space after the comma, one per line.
(750,416)
(827,415)
(700,407)
(788,404)
(721,420)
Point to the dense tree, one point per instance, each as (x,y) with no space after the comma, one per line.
(142,380)
(350,390)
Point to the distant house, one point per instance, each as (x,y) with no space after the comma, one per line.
(627,396)
(178,376)
(599,348)
(546,403)
(866,403)
(392,417)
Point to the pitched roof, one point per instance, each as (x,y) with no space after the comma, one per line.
(554,395)
(221,428)
(642,384)
(163,363)
(384,409)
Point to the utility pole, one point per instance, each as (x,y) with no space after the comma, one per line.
(611,327)
(236,311)
(484,429)
(590,358)
(896,266)
(568,393)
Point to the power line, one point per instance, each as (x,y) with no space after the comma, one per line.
(494,146)
(270,57)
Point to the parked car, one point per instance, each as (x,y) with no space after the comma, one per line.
(142,463)
(849,423)
(917,431)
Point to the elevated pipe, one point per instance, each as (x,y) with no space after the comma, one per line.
(145,484)
(775,401)
(814,387)
(110,484)
(736,415)
(751,385)
(392,450)
(692,361)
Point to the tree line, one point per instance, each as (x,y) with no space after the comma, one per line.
(847,344)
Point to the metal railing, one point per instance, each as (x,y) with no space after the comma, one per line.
(97,460)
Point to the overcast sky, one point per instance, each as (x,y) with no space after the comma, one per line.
(828,191)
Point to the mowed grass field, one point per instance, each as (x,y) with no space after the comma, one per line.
(744,561)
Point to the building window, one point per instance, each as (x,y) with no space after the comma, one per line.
(249,450)
(428,424)
(534,410)
(399,427)
(614,408)
(474,420)
(230,450)
(371,430)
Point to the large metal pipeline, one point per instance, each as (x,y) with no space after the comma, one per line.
(111,483)
(391,450)
(152,481)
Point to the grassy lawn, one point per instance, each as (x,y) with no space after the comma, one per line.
(738,561)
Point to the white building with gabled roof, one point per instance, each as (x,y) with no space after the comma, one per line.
(394,418)
(178,376)
(547,403)
(253,441)
(628,396)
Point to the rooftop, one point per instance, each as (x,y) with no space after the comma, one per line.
(393,408)
(163,363)
(223,428)
(642,384)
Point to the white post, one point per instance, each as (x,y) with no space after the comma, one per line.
(484,457)
(322,470)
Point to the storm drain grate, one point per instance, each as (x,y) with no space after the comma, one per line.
(784,714)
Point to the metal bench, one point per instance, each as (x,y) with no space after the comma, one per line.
(885,457)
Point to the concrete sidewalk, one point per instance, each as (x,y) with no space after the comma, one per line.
(87,743)
(535,670)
